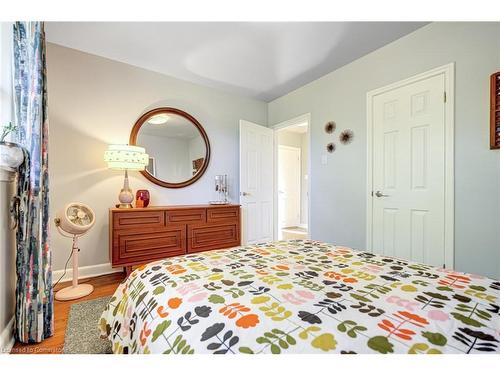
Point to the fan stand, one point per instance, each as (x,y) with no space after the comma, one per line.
(76,290)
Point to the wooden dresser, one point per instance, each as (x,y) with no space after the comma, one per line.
(141,235)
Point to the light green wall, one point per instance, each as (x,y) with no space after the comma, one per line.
(339,188)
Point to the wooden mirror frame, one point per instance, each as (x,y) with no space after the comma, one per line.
(133,139)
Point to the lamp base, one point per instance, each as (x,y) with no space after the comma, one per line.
(124,205)
(126,197)
(74,292)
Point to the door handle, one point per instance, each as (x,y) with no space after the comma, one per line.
(244,193)
(379,194)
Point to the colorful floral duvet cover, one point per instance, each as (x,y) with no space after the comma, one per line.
(301,297)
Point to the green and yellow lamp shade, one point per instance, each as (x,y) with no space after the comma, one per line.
(127,158)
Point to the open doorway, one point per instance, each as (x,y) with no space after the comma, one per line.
(292,179)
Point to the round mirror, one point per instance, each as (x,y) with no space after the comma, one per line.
(177,146)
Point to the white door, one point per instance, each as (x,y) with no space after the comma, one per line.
(409,171)
(288,186)
(256,182)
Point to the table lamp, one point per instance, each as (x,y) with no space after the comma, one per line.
(127,158)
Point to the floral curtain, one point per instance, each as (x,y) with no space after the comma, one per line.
(34,296)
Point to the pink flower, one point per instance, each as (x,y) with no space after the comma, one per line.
(476,277)
(197,297)
(305,294)
(437,315)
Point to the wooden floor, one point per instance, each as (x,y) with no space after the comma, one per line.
(103,286)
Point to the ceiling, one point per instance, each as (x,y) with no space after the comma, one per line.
(174,127)
(262,60)
(300,129)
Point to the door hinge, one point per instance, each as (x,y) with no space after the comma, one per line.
(444,265)
(445,96)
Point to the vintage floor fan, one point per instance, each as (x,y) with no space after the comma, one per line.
(74,221)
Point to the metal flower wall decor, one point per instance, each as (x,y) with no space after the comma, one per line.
(330,127)
(330,147)
(346,136)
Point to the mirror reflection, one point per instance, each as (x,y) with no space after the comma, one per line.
(175,146)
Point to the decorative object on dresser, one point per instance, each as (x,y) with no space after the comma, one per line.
(221,190)
(74,221)
(125,157)
(141,235)
(177,144)
(142,198)
(495,111)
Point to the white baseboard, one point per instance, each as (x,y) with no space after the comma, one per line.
(85,272)
(7,337)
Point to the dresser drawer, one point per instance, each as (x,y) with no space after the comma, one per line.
(186,216)
(143,246)
(139,219)
(223,214)
(212,236)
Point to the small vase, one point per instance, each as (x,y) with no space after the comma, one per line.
(142,198)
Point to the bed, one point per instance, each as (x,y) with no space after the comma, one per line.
(301,296)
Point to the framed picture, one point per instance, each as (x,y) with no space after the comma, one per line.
(151,167)
(197,164)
